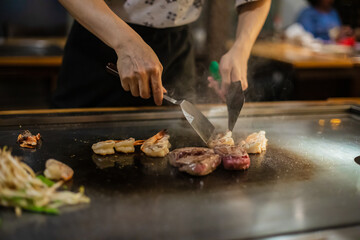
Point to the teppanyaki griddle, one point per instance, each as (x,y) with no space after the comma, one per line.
(306,181)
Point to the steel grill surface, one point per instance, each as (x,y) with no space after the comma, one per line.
(307,180)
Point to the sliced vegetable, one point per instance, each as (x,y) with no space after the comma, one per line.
(20,188)
(54,211)
(45,180)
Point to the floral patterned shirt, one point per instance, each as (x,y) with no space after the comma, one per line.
(160,13)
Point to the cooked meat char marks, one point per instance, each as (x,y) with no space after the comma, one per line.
(193,152)
(190,151)
(194,160)
(201,165)
(233,157)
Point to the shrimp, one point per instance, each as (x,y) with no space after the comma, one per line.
(124,146)
(222,139)
(27,140)
(158,145)
(104,147)
(255,142)
(56,170)
(127,146)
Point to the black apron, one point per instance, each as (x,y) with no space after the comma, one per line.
(84,82)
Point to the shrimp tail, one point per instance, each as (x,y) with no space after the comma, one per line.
(161,134)
(138,142)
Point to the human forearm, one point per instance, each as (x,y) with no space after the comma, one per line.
(99,19)
(233,65)
(251,18)
(139,68)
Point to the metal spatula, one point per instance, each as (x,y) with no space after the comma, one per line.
(197,120)
(202,126)
(235,97)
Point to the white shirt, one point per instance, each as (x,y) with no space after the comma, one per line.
(160,13)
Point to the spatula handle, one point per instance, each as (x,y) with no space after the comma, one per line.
(111,68)
(171,100)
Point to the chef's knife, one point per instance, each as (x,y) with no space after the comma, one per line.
(202,126)
(235,97)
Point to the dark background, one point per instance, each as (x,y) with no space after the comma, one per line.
(268,80)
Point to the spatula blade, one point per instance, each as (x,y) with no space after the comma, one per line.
(202,126)
(197,120)
(234,100)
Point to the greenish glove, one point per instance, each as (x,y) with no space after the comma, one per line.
(214,71)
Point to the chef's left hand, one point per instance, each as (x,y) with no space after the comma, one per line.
(233,67)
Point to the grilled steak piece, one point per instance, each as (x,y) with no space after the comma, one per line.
(233,157)
(195,160)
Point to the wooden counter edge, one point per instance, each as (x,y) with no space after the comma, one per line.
(53,61)
(266,49)
(341,101)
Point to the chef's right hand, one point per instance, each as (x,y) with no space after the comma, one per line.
(140,70)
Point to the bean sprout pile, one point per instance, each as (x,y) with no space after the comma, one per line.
(22,189)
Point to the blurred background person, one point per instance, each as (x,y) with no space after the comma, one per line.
(322,20)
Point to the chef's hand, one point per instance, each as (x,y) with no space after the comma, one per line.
(232,67)
(138,66)
(140,70)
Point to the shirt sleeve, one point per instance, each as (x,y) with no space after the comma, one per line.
(241,2)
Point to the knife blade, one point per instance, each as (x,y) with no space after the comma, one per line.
(235,97)
(202,126)
(234,100)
